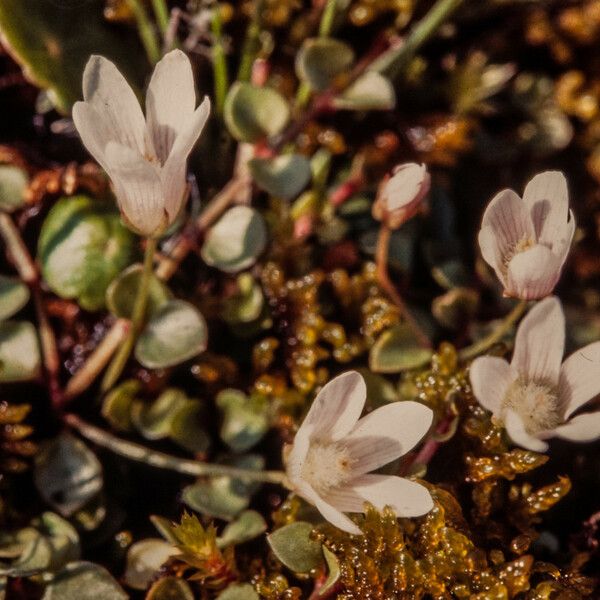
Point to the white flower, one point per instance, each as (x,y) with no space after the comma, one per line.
(535,396)
(334,451)
(400,196)
(144,157)
(527,241)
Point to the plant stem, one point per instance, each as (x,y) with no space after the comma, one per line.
(161,13)
(161,460)
(221,79)
(496,335)
(145,30)
(327,18)
(381,260)
(18,251)
(251,43)
(137,320)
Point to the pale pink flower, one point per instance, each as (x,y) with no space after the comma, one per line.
(527,241)
(400,196)
(333,453)
(144,157)
(535,396)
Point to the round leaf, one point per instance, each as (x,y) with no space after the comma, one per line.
(247,526)
(293,546)
(82,247)
(187,430)
(397,350)
(371,91)
(19,352)
(14,295)
(174,334)
(144,560)
(154,420)
(67,474)
(252,113)
(284,176)
(84,581)
(117,404)
(239,591)
(121,293)
(236,240)
(170,588)
(247,305)
(13,181)
(320,60)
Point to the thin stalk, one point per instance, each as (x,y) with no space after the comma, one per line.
(496,335)
(327,18)
(137,320)
(162,460)
(18,251)
(221,78)
(381,260)
(145,30)
(161,14)
(251,43)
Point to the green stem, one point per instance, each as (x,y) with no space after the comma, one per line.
(161,13)
(327,18)
(162,460)
(251,43)
(145,30)
(137,320)
(496,335)
(219,62)
(397,59)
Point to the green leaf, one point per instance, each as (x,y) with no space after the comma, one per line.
(170,588)
(371,91)
(67,474)
(84,581)
(284,176)
(82,247)
(53,40)
(333,571)
(122,291)
(455,308)
(379,390)
(247,526)
(154,421)
(236,240)
(13,182)
(144,560)
(293,546)
(20,358)
(174,334)
(245,420)
(14,295)
(63,538)
(187,430)
(397,350)
(117,404)
(239,591)
(253,113)
(224,497)
(320,60)
(247,305)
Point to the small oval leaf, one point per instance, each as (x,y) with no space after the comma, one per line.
(239,591)
(246,526)
(371,91)
(144,560)
(284,176)
(320,60)
(293,546)
(14,295)
(20,358)
(174,334)
(13,182)
(397,350)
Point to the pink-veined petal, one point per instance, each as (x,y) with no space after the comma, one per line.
(387,433)
(580,378)
(516,431)
(582,428)
(170,101)
(491,250)
(490,378)
(407,498)
(109,93)
(94,131)
(533,273)
(540,343)
(336,408)
(547,198)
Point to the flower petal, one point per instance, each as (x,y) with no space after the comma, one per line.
(406,185)
(547,198)
(109,93)
(490,377)
(580,378)
(509,219)
(137,187)
(582,428)
(491,251)
(94,131)
(387,433)
(533,273)
(540,343)
(170,101)
(516,431)
(336,408)
(407,498)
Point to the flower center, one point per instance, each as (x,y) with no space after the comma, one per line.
(523,244)
(327,466)
(536,403)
